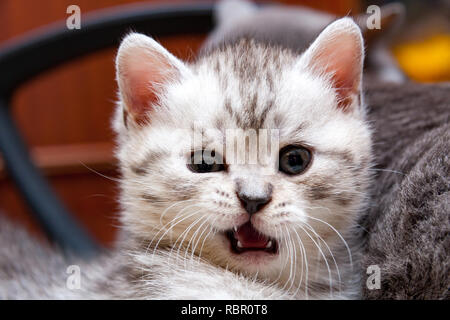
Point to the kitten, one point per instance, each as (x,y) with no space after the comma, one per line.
(199,228)
(275,223)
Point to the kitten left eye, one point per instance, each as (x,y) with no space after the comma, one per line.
(203,162)
(294,159)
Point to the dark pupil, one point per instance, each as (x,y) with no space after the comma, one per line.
(295,160)
(204,167)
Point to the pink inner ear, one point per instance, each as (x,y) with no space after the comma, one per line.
(341,57)
(142,72)
(343,63)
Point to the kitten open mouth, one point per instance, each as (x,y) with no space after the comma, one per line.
(246,238)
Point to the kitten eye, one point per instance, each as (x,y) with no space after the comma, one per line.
(202,162)
(294,159)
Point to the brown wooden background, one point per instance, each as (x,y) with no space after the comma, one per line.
(64,115)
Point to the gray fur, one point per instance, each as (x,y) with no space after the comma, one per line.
(408,223)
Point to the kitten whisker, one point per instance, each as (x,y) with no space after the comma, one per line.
(193,239)
(203,243)
(293,261)
(99,173)
(160,229)
(306,262)
(340,236)
(301,274)
(329,250)
(173,225)
(171,206)
(289,248)
(295,267)
(184,234)
(324,257)
(341,215)
(387,170)
(195,245)
(281,247)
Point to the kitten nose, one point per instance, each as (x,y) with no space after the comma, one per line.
(253,194)
(251,204)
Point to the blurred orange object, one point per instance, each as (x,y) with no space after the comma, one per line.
(427,60)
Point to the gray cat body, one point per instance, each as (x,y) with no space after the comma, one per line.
(408,222)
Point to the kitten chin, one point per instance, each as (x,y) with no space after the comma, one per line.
(287,222)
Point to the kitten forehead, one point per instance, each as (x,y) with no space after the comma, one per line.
(247,76)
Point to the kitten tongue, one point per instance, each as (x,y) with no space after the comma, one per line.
(250,237)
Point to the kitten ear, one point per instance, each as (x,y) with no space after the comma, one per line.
(143,68)
(338,53)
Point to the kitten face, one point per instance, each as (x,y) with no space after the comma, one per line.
(264,217)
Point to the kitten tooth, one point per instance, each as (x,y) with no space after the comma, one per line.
(239,244)
(269,244)
(235,228)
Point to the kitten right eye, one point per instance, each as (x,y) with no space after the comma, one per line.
(207,163)
(294,159)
